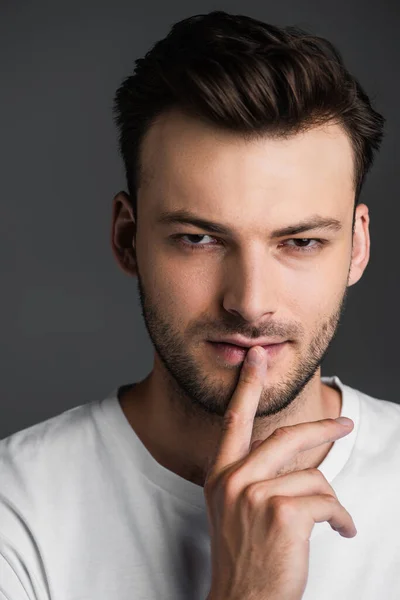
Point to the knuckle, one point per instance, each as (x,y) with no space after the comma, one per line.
(248,377)
(230,419)
(229,486)
(316,474)
(284,509)
(222,488)
(209,486)
(285,432)
(254,494)
(217,481)
(330,499)
(322,482)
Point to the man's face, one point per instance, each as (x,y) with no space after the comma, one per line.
(246,282)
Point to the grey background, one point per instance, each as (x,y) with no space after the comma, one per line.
(71,328)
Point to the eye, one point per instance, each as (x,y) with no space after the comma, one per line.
(308,248)
(190,245)
(202,246)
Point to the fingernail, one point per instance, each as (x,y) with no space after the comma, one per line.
(344,421)
(254,356)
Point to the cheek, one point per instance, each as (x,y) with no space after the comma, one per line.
(311,298)
(180,291)
(194,294)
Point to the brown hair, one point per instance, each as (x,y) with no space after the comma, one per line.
(246,76)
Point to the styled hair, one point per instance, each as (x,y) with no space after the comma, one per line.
(248,77)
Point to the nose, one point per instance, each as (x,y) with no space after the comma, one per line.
(251,287)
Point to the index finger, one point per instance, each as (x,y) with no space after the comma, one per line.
(237,427)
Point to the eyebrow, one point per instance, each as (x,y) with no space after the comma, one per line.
(188,217)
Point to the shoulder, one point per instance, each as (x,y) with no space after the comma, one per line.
(378,438)
(34,456)
(378,411)
(38,465)
(35,464)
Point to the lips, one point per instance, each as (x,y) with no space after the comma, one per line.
(245,347)
(237,340)
(234,354)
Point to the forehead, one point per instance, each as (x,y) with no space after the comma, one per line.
(190,162)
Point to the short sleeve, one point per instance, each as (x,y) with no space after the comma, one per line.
(11,588)
(22,572)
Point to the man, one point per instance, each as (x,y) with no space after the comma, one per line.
(245,148)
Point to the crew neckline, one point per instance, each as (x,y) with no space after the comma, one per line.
(192,493)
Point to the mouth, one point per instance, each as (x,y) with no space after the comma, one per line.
(236,354)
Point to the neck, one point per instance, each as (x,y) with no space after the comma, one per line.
(182,440)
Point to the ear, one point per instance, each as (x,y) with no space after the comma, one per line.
(123,233)
(361,245)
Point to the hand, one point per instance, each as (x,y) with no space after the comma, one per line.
(260,524)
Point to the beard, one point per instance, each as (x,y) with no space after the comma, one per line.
(199,391)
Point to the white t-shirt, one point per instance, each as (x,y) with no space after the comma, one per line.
(86,513)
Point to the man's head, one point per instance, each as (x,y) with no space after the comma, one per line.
(256,129)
